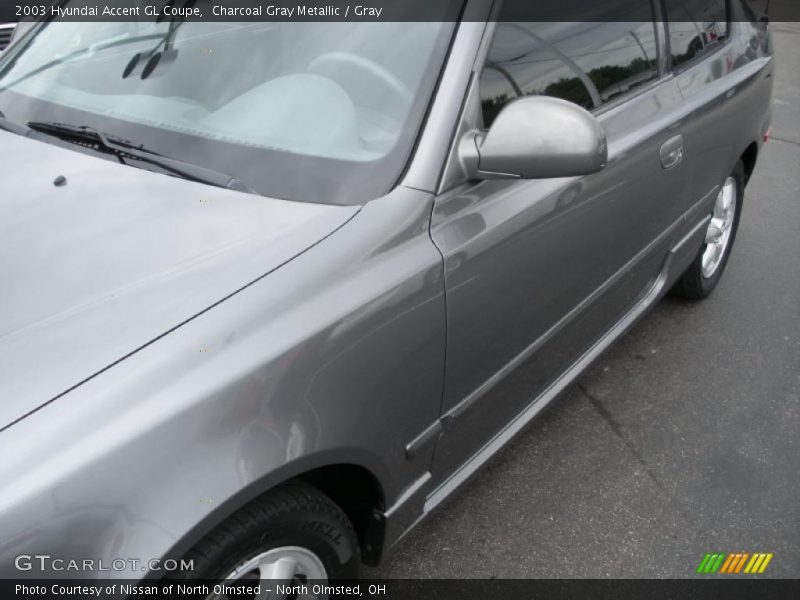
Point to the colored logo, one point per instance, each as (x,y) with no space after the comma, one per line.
(734,563)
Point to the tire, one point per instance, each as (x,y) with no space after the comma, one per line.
(292,518)
(698,282)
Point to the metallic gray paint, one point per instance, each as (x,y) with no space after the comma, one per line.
(306,367)
(538,137)
(120,256)
(263,338)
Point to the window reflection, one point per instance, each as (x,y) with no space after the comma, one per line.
(695,27)
(586,63)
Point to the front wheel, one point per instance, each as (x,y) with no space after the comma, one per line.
(293,534)
(706,270)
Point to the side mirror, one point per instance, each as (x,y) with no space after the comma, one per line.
(538,137)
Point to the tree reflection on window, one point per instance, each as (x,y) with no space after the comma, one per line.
(585,63)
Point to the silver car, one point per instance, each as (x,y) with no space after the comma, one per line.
(260,317)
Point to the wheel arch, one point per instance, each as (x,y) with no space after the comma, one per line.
(359,494)
(352,485)
(748,158)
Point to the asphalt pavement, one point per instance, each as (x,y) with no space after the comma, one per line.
(683,439)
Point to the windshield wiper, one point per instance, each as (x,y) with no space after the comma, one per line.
(7,125)
(75,54)
(124,149)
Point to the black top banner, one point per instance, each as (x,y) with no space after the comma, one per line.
(376,10)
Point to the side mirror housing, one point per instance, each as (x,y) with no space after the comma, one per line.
(537,137)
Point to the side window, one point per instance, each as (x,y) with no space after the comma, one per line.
(696,27)
(586,63)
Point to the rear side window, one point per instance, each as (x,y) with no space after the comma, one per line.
(588,63)
(696,28)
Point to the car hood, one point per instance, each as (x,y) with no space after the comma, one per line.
(95,269)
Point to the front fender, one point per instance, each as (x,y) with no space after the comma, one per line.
(337,357)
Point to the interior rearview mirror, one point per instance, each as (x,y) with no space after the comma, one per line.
(540,137)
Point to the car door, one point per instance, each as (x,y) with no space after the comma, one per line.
(721,63)
(537,271)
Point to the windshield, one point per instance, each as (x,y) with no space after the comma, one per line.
(319,112)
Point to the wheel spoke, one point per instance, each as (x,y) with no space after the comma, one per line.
(727,195)
(714,231)
(279,572)
(282,569)
(712,259)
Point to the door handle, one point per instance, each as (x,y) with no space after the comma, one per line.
(671,152)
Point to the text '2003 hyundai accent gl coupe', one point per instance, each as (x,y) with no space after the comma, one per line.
(264,315)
